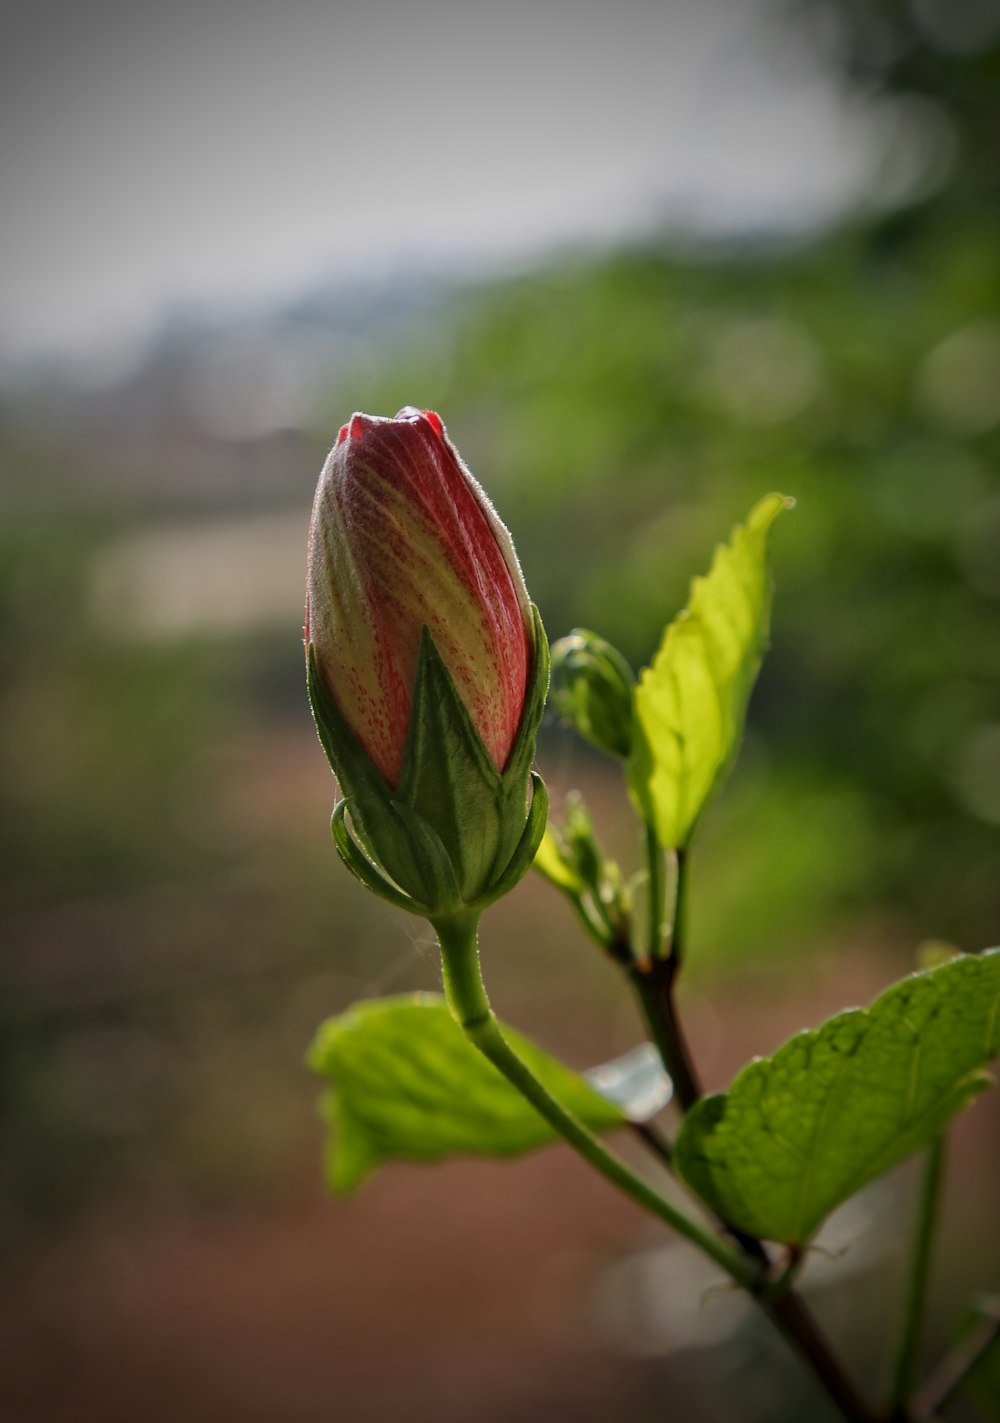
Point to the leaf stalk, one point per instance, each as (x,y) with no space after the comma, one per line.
(928,1210)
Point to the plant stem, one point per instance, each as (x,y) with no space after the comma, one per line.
(466,995)
(654,981)
(794,1320)
(654,984)
(656,1143)
(907,1359)
(678,926)
(653,976)
(467,998)
(787,1311)
(955,1367)
(657,892)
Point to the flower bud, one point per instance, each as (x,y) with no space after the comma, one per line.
(428,665)
(578,830)
(571,859)
(592,688)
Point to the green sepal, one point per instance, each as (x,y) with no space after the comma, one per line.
(517,775)
(437,870)
(448,776)
(455,831)
(363,785)
(527,847)
(522,753)
(364,870)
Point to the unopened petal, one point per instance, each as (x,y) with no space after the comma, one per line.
(402,538)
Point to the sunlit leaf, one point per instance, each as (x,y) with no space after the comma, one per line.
(798,1133)
(552,864)
(690,705)
(405,1084)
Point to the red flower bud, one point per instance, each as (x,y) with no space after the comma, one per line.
(402,538)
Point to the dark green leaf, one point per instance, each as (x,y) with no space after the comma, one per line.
(405,1084)
(799,1132)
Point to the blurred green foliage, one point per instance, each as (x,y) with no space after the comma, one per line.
(95,734)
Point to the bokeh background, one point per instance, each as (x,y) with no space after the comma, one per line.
(650,261)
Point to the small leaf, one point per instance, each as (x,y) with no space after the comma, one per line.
(405,1084)
(690,705)
(800,1132)
(552,864)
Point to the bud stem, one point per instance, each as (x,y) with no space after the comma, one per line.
(654,986)
(654,977)
(467,998)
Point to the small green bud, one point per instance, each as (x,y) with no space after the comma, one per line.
(571,858)
(592,688)
(579,833)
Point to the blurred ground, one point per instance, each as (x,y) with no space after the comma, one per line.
(468,1290)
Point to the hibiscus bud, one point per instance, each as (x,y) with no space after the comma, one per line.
(428,665)
(592,688)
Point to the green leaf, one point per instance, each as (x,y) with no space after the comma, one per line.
(552,864)
(690,705)
(800,1132)
(405,1084)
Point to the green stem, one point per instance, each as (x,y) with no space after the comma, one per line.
(591,923)
(467,998)
(466,994)
(654,980)
(907,1359)
(956,1366)
(678,929)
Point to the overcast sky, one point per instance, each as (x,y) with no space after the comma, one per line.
(231,151)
